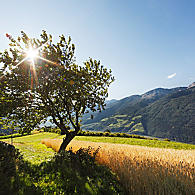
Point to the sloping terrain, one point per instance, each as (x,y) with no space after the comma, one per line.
(140,164)
(166,113)
(129,105)
(172,116)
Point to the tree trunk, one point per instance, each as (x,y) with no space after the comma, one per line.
(66,141)
(64,130)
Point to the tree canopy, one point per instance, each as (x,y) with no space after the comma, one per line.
(40,79)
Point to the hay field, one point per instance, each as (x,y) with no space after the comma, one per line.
(143,170)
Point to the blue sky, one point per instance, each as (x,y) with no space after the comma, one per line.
(147,43)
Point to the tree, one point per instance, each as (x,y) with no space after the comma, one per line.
(41,79)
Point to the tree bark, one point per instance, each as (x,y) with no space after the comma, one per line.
(66,141)
(64,130)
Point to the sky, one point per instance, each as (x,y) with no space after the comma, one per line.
(146,43)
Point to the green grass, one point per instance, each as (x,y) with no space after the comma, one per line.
(135,141)
(65,173)
(12,136)
(31,148)
(35,152)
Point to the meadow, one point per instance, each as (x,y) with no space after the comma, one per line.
(35,152)
(143,170)
(31,148)
(156,168)
(64,173)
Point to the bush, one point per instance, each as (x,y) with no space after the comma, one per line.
(107,134)
(117,134)
(124,135)
(76,173)
(166,139)
(14,135)
(8,159)
(65,173)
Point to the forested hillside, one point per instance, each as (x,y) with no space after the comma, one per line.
(172,116)
(129,105)
(166,113)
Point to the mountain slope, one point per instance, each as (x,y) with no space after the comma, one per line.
(129,105)
(172,116)
(166,113)
(121,115)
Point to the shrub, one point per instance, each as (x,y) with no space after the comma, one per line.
(8,159)
(101,134)
(14,135)
(117,134)
(106,134)
(144,170)
(65,173)
(166,139)
(76,173)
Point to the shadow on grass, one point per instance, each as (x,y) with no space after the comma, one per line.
(65,173)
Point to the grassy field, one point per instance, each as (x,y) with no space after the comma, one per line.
(135,141)
(158,168)
(143,170)
(34,151)
(42,172)
(31,147)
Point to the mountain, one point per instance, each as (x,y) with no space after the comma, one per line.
(129,105)
(191,85)
(172,116)
(166,113)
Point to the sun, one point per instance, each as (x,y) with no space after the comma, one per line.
(32,54)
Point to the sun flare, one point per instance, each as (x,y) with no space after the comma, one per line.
(32,53)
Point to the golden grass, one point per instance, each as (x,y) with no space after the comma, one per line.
(143,170)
